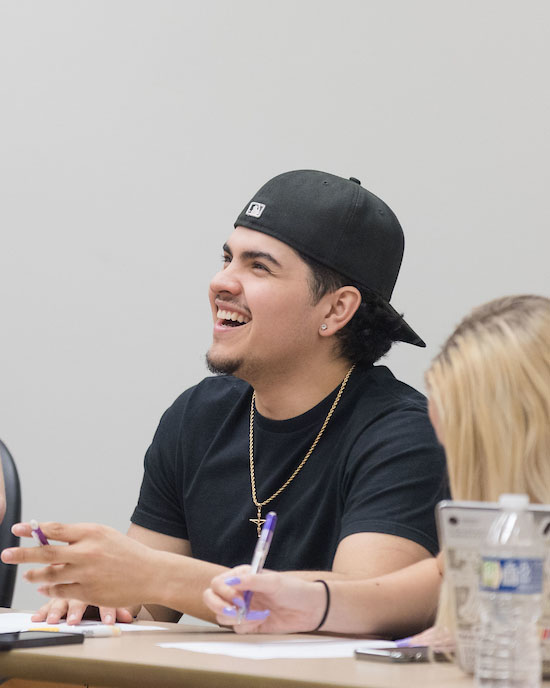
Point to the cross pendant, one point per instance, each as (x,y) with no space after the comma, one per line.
(258,521)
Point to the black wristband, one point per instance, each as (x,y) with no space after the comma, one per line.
(327,607)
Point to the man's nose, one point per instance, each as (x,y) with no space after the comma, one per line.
(226,280)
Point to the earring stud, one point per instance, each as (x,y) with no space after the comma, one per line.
(324,326)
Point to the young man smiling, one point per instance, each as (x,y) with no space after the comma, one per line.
(280,348)
(297,419)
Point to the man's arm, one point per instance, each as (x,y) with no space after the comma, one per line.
(359,557)
(182,582)
(191,590)
(368,555)
(103,567)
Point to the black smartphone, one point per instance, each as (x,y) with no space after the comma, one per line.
(419,653)
(394,654)
(12,641)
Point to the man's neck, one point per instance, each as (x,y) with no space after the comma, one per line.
(287,396)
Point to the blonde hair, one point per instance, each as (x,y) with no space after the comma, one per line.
(490,386)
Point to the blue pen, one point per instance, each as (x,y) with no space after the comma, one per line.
(258,560)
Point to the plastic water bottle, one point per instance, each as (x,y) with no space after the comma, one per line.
(510,597)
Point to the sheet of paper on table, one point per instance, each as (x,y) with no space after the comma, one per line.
(293,648)
(20,621)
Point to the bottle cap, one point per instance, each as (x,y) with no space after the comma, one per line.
(514,501)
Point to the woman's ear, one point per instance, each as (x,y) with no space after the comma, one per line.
(341,306)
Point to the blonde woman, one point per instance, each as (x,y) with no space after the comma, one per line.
(489,402)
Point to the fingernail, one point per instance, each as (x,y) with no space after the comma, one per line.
(26,576)
(7,555)
(257,615)
(71,619)
(238,602)
(230,611)
(232,581)
(108,619)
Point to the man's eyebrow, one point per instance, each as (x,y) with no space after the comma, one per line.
(251,255)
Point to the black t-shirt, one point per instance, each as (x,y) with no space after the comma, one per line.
(377,468)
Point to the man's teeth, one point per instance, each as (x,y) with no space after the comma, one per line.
(231,315)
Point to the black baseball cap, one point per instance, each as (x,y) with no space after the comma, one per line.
(339,224)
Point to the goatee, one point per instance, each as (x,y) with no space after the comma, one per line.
(222,367)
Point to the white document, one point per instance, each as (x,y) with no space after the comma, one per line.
(293,648)
(16,621)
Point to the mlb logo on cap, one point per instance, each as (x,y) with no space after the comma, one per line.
(255,209)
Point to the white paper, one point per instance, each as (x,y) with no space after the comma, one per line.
(293,648)
(14,621)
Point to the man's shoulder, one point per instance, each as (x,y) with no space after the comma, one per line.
(384,408)
(391,418)
(204,405)
(381,390)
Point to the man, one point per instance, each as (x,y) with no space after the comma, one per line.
(297,420)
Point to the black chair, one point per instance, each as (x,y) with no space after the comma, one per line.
(8,572)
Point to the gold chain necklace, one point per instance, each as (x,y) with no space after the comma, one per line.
(259,520)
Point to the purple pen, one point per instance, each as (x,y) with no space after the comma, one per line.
(258,560)
(37,533)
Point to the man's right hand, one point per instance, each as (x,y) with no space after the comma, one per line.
(74,610)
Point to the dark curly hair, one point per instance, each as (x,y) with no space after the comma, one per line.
(372,330)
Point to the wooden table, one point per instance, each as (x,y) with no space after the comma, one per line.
(135,660)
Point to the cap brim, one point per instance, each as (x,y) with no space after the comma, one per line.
(405,332)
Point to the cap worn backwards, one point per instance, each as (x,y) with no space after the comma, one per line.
(339,224)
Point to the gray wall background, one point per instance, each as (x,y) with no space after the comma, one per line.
(132,133)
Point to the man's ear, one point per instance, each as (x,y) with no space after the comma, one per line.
(341,306)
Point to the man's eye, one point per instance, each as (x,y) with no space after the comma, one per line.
(260,266)
(226,259)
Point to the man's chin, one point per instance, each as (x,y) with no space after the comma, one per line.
(222,366)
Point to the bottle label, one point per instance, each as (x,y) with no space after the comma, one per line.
(521,576)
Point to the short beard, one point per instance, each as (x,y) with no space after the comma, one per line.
(227,367)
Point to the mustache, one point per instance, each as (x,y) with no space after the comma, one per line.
(231,302)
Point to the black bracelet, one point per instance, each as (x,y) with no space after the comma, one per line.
(327,607)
